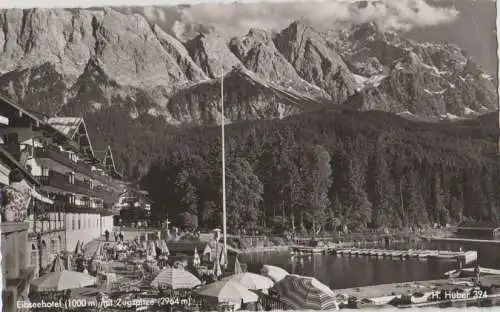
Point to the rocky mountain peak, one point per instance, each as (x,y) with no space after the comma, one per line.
(257,51)
(211,53)
(363,31)
(315,60)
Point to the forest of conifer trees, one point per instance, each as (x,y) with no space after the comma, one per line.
(327,169)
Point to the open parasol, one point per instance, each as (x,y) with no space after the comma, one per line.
(273,272)
(176,279)
(304,293)
(228,291)
(59,279)
(251,280)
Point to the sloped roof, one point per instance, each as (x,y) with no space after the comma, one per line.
(15,164)
(481,225)
(109,161)
(69,127)
(66,125)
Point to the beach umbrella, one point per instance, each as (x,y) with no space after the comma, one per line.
(78,248)
(273,272)
(63,280)
(196,258)
(217,269)
(237,266)
(251,280)
(57,265)
(152,249)
(98,253)
(59,279)
(68,262)
(163,247)
(304,293)
(222,257)
(175,279)
(228,291)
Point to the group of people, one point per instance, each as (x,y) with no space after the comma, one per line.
(118,237)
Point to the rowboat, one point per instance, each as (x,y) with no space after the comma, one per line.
(453,273)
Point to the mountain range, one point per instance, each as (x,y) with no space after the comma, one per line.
(103,63)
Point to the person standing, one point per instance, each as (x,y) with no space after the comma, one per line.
(477,272)
(121,236)
(106,233)
(115,234)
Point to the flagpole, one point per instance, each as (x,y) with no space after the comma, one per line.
(224,232)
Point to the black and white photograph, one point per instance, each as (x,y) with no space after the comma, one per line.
(250,155)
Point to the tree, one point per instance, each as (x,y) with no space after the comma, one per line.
(186,192)
(244,194)
(381,189)
(318,182)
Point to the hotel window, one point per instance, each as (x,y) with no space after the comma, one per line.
(11,138)
(45,172)
(73,224)
(79,223)
(34,256)
(72,199)
(53,248)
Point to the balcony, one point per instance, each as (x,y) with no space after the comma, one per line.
(61,181)
(62,158)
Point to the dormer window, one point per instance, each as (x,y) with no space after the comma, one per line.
(72,156)
(45,172)
(71,177)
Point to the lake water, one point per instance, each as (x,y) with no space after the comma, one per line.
(340,272)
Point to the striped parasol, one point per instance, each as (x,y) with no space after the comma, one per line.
(304,293)
(175,279)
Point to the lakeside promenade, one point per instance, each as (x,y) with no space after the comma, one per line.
(461,240)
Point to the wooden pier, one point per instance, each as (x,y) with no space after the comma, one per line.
(466,256)
(307,250)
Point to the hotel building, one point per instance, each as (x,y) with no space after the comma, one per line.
(59,154)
